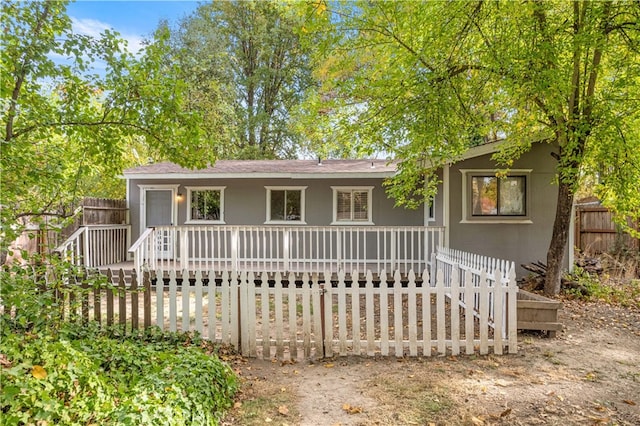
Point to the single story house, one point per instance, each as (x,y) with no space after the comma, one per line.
(291,211)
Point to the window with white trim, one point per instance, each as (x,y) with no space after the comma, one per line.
(205,204)
(493,196)
(488,197)
(285,204)
(352,205)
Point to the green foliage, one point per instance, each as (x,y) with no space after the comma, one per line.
(63,372)
(98,379)
(66,128)
(425,80)
(430,79)
(594,288)
(36,289)
(246,71)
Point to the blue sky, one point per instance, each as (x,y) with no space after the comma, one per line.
(134,20)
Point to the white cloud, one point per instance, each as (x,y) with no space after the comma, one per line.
(94,28)
(90,27)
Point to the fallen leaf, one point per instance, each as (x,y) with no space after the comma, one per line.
(238,404)
(351,409)
(268,420)
(4,362)
(506,412)
(283,410)
(38,372)
(628,401)
(329,365)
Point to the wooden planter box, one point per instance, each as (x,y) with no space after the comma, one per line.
(537,312)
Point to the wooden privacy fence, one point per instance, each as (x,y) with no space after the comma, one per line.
(596,232)
(292,316)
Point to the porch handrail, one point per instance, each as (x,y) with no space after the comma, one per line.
(93,246)
(71,248)
(137,249)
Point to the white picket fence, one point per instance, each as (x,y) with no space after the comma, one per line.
(464,263)
(289,316)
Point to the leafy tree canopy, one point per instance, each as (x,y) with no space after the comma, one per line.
(64,125)
(246,71)
(426,80)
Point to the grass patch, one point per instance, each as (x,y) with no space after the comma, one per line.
(414,401)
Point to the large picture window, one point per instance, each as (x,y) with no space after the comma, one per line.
(285,204)
(487,197)
(205,204)
(352,205)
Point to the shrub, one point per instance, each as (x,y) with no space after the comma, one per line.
(59,372)
(591,287)
(107,381)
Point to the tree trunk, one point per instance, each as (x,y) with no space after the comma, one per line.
(559,238)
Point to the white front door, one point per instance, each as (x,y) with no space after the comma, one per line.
(159,212)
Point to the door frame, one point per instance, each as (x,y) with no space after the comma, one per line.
(143,202)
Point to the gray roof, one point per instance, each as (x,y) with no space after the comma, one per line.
(275,168)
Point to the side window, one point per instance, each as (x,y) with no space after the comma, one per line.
(285,204)
(205,204)
(492,196)
(352,205)
(489,198)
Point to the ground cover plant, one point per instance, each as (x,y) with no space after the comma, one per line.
(57,371)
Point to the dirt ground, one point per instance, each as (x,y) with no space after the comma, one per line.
(588,374)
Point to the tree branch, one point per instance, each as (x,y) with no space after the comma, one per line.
(15,94)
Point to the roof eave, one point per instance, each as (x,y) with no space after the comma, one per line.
(338,175)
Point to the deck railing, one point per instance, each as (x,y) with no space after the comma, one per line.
(93,246)
(286,248)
